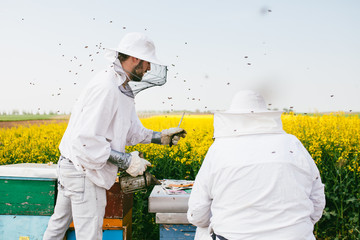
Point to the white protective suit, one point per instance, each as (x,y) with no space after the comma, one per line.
(102,119)
(256,182)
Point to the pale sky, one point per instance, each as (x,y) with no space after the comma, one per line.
(303,54)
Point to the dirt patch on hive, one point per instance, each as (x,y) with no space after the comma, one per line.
(10,124)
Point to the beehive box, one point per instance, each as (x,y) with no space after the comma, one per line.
(117,234)
(24,227)
(177,231)
(28,189)
(118,203)
(161,202)
(171,214)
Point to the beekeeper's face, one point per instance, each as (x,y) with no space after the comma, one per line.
(139,70)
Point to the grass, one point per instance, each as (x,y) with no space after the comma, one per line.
(27,117)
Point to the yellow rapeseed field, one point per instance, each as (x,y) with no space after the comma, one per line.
(335,135)
(332,140)
(31,143)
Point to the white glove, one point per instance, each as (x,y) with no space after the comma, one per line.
(171,136)
(138,165)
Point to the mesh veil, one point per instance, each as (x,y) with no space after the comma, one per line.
(155,77)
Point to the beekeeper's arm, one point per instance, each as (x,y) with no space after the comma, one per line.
(139,134)
(199,211)
(91,146)
(317,195)
(132,163)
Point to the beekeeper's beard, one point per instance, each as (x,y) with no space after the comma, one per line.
(138,72)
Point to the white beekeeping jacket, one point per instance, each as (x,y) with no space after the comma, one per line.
(102,119)
(255,185)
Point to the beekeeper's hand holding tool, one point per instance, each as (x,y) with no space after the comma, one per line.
(169,136)
(133,163)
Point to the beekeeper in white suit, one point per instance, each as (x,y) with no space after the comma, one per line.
(102,123)
(256,181)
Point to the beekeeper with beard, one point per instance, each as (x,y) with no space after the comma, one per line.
(256,181)
(102,123)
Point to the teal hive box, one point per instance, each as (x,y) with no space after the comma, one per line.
(28,189)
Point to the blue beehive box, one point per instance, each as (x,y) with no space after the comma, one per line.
(107,235)
(177,232)
(22,227)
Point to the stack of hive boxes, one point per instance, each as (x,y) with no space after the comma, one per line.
(27,200)
(171,214)
(28,197)
(118,216)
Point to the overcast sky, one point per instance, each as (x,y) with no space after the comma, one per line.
(303,54)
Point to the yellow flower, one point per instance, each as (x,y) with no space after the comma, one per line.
(334,136)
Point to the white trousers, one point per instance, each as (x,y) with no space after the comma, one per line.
(78,200)
(202,233)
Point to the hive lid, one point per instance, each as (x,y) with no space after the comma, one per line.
(32,170)
(161,202)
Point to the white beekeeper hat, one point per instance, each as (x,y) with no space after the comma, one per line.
(248,101)
(140,46)
(247,114)
(137,45)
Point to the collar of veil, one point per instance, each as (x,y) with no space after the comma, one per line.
(236,124)
(125,89)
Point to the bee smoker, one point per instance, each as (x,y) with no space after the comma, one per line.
(129,184)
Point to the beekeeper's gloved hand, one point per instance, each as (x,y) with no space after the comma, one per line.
(138,165)
(131,162)
(169,136)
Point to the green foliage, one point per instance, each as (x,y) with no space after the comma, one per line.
(143,225)
(25,117)
(342,212)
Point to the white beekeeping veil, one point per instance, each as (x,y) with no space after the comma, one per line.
(140,46)
(247,114)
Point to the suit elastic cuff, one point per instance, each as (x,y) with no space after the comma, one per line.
(156,137)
